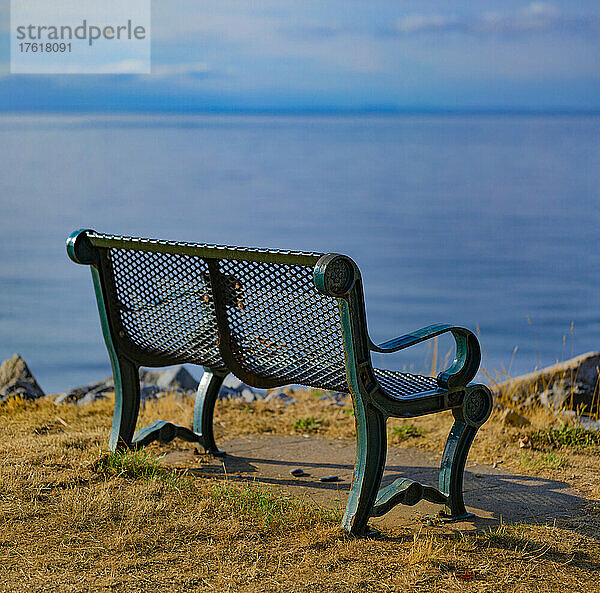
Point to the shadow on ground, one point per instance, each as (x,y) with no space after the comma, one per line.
(492,495)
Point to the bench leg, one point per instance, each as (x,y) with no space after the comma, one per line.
(127,403)
(476,409)
(453,466)
(206,397)
(371,450)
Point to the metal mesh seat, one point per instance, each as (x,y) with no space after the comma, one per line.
(398,385)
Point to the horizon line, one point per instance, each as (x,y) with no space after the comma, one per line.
(333,111)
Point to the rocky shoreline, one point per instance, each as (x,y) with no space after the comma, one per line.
(570,388)
(177,381)
(17,380)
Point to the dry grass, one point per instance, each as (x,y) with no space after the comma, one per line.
(76,519)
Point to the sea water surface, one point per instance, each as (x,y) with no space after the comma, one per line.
(492,222)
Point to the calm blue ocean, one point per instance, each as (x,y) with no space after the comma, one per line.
(490,222)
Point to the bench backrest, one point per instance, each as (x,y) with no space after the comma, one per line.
(257,312)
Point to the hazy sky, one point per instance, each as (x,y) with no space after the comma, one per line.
(343,54)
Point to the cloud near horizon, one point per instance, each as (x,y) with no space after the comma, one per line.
(346,54)
(533,18)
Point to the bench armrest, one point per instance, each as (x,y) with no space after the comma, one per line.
(468,353)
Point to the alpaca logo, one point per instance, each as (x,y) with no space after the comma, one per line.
(80,37)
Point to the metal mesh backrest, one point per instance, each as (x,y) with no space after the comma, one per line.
(166,305)
(280,327)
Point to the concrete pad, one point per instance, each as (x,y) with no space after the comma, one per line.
(492,495)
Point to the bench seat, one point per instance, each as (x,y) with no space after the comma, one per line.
(399,385)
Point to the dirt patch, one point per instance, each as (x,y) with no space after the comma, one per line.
(492,495)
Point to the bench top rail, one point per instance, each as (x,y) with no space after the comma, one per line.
(205,250)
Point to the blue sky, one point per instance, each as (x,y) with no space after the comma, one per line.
(342,55)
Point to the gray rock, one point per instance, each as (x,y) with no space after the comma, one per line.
(566,391)
(329,479)
(249,395)
(334,398)
(16,380)
(149,391)
(232,382)
(87,394)
(158,383)
(512,418)
(582,421)
(89,397)
(153,384)
(279,396)
(233,388)
(228,393)
(573,384)
(149,375)
(173,377)
(76,394)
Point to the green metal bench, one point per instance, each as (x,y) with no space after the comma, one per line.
(274,318)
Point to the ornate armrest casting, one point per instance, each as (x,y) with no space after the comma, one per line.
(466,361)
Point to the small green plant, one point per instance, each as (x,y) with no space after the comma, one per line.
(255,503)
(137,465)
(407,431)
(548,460)
(513,536)
(308,424)
(570,436)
